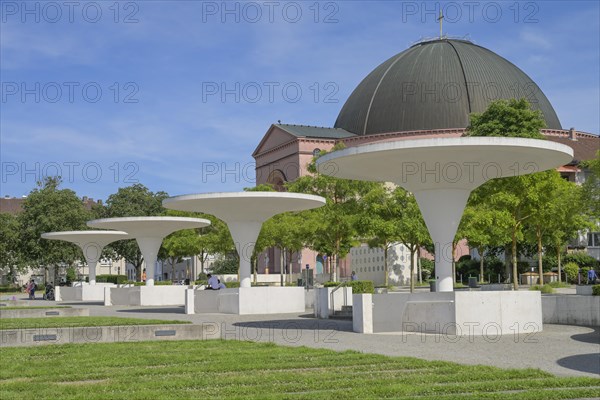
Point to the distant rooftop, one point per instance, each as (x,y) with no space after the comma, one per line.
(319,132)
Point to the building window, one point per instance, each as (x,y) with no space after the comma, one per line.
(316,152)
(594,239)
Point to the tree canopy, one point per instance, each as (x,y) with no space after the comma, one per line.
(507,118)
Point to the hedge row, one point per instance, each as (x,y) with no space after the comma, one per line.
(156,283)
(116,279)
(358,287)
(596,290)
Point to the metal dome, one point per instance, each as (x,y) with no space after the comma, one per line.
(436,85)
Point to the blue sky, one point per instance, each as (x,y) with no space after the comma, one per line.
(111,95)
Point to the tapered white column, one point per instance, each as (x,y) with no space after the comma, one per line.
(149,246)
(91,244)
(244,234)
(149,233)
(442,223)
(441,172)
(244,213)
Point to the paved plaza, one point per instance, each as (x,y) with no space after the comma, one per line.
(560,349)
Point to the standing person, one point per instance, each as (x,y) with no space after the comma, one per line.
(353,277)
(32,287)
(213,282)
(592,277)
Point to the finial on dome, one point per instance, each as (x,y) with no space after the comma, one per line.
(441,19)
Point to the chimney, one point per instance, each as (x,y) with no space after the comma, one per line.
(573,134)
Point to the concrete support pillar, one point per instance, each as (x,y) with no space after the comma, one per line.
(149,247)
(57,293)
(189,301)
(244,234)
(442,223)
(107,299)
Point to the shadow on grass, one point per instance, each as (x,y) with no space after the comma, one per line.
(590,337)
(300,324)
(169,310)
(582,362)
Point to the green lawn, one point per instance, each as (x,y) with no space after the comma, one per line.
(233,369)
(57,322)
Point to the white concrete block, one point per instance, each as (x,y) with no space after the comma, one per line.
(107,299)
(362,313)
(189,301)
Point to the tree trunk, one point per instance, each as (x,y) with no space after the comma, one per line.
(412,269)
(559,265)
(514,261)
(172,269)
(540,266)
(453,262)
(507,263)
(335,267)
(419,266)
(385,265)
(480,251)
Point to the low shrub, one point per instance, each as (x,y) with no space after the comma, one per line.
(544,289)
(571,270)
(360,287)
(201,282)
(156,283)
(9,289)
(558,284)
(596,290)
(581,258)
(116,279)
(232,285)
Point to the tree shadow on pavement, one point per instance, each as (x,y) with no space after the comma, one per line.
(171,310)
(589,363)
(301,324)
(590,337)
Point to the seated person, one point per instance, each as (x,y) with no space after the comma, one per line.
(213,282)
(221,285)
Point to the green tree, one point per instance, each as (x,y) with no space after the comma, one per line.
(507,118)
(11,258)
(413,232)
(591,188)
(202,242)
(553,219)
(378,221)
(483,228)
(132,201)
(333,227)
(50,209)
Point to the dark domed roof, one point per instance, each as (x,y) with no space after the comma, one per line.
(436,85)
